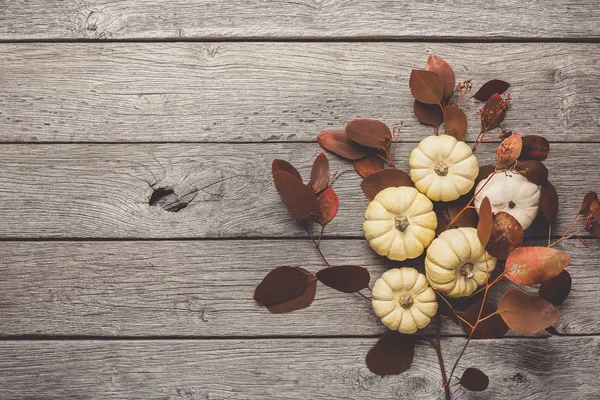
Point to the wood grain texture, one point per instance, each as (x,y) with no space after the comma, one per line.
(105,191)
(373,19)
(553,369)
(205,288)
(256,92)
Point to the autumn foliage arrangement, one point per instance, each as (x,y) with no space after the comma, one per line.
(461,225)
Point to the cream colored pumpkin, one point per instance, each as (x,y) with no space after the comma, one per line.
(400,223)
(456,262)
(511,193)
(443,168)
(403,300)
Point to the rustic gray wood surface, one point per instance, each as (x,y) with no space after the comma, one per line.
(104,104)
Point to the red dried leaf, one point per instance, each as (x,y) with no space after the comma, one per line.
(534,148)
(369,133)
(469,217)
(299,199)
(595,222)
(282,165)
(337,142)
(508,150)
(328,203)
(525,313)
(492,328)
(303,301)
(484,227)
(345,278)
(426,86)
(495,86)
(493,113)
(474,380)
(280,285)
(549,201)
(588,200)
(368,165)
(319,175)
(455,122)
(507,235)
(439,66)
(429,114)
(385,178)
(393,353)
(535,171)
(556,289)
(536,264)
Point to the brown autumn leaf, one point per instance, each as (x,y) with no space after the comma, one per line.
(556,289)
(446,308)
(484,227)
(525,313)
(302,301)
(534,148)
(328,204)
(393,353)
(429,114)
(443,221)
(469,217)
(484,172)
(495,86)
(299,199)
(508,150)
(595,223)
(345,278)
(549,202)
(368,165)
(474,380)
(337,142)
(588,200)
(426,86)
(493,113)
(383,179)
(319,175)
(369,133)
(535,264)
(455,122)
(281,285)
(492,328)
(439,66)
(535,171)
(507,235)
(282,165)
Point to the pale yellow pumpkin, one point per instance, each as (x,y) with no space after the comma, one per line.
(403,300)
(456,263)
(400,223)
(443,168)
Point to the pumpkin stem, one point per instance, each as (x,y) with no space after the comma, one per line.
(467,270)
(511,204)
(402,223)
(441,168)
(406,301)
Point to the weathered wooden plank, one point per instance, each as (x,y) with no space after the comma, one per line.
(105,191)
(205,288)
(185,19)
(554,368)
(232,92)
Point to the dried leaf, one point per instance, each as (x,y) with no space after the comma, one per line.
(525,313)
(534,148)
(319,175)
(588,200)
(299,199)
(426,86)
(439,66)
(469,217)
(484,172)
(282,165)
(345,278)
(337,142)
(455,122)
(369,132)
(429,114)
(556,289)
(385,178)
(495,86)
(368,165)
(492,328)
(393,353)
(508,150)
(535,171)
(549,201)
(443,221)
(445,308)
(536,264)
(303,301)
(328,204)
(281,285)
(484,227)
(493,113)
(474,380)
(507,235)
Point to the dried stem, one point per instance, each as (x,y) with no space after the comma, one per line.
(438,351)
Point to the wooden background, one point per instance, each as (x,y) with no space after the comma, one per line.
(104,296)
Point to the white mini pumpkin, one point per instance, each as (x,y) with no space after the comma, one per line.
(511,193)
(455,264)
(400,223)
(403,300)
(443,168)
